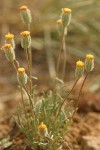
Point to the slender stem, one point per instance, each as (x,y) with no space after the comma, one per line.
(31,103)
(30,62)
(14,66)
(64,56)
(66,98)
(27,59)
(30,50)
(78,99)
(81,88)
(22,98)
(71,90)
(59,57)
(59,53)
(29,69)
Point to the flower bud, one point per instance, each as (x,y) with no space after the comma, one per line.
(42,130)
(79,69)
(66,16)
(9,52)
(25,39)
(25,15)
(89,63)
(9,39)
(21,76)
(59,26)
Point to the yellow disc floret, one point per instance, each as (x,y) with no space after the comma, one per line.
(23,8)
(25,33)
(9,36)
(89,57)
(42,127)
(21,70)
(6,47)
(66,10)
(59,21)
(80,64)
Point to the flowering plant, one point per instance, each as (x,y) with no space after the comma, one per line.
(44,122)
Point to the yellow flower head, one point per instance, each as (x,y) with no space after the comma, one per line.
(66,10)
(6,47)
(9,36)
(59,21)
(80,64)
(21,70)
(23,8)
(42,127)
(89,57)
(25,33)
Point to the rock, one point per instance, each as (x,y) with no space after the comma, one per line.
(90,143)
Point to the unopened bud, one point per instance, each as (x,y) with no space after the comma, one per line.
(89,63)
(66,16)
(21,76)
(42,130)
(79,69)
(25,15)
(25,39)
(59,26)
(9,39)
(9,52)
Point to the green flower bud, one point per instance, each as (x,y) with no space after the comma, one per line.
(66,16)
(9,39)
(25,15)
(79,69)
(89,63)
(25,39)
(22,76)
(9,52)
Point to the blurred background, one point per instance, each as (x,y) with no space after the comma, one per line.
(83,37)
